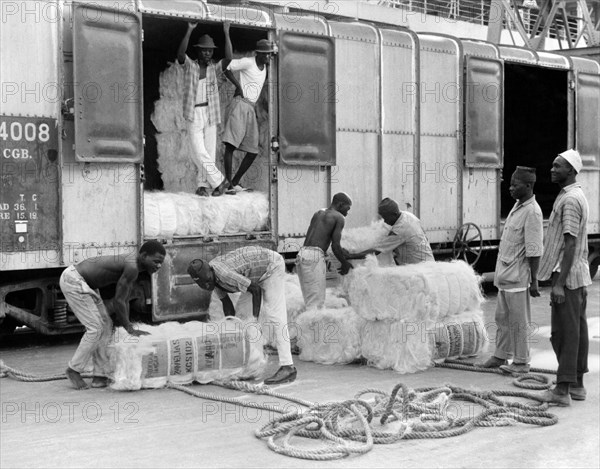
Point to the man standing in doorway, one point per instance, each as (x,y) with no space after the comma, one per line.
(201,106)
(565,262)
(241,129)
(516,273)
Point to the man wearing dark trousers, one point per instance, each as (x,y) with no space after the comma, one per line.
(565,262)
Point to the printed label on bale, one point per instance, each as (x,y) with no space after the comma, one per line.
(182,356)
(208,352)
(232,349)
(154,365)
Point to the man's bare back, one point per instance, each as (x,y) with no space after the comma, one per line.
(101,271)
(322,227)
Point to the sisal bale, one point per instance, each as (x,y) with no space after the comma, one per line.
(364,237)
(462,336)
(424,291)
(401,346)
(329,336)
(389,293)
(151,216)
(181,353)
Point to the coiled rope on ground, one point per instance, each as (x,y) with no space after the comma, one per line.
(354,426)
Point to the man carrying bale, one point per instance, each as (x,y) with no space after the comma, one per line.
(80,283)
(325,228)
(516,274)
(261,272)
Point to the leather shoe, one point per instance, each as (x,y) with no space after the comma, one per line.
(578,393)
(492,362)
(285,374)
(551,397)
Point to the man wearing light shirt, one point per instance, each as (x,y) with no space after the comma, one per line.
(516,275)
(406,239)
(241,129)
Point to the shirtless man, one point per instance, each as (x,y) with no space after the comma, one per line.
(325,229)
(80,283)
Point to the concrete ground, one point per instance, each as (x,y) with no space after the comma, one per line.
(49,424)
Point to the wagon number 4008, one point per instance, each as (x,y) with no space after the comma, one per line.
(29,131)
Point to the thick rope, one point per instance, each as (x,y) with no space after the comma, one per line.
(354,426)
(546,382)
(7,371)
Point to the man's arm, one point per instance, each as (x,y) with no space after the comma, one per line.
(183,45)
(534,263)
(121,300)
(558,289)
(233,80)
(228,45)
(228,308)
(336,246)
(256,292)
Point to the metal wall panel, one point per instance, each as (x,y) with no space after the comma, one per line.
(481,204)
(108,85)
(484,112)
(307,96)
(28,62)
(301,192)
(358,119)
(441,165)
(100,206)
(399,87)
(590,184)
(587,119)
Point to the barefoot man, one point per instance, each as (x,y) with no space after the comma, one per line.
(325,228)
(80,283)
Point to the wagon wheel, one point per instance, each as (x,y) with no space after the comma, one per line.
(468,243)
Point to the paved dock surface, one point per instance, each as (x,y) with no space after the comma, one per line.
(49,424)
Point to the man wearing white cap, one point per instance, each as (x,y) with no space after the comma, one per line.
(565,262)
(201,106)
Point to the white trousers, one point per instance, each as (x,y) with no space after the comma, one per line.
(88,307)
(203,139)
(312,273)
(273,313)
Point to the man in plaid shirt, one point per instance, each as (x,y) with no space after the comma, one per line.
(201,106)
(565,262)
(260,272)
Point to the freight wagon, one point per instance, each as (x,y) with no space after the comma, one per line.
(435,122)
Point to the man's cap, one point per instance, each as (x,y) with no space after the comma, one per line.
(574,159)
(206,42)
(197,268)
(265,46)
(525,174)
(388,207)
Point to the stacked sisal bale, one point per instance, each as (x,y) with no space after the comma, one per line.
(167,215)
(182,353)
(416,313)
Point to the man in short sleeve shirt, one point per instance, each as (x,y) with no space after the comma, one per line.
(516,275)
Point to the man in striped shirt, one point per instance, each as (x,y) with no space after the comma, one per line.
(565,262)
(260,272)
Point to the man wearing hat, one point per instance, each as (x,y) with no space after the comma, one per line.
(406,239)
(516,274)
(201,106)
(260,272)
(241,129)
(565,262)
